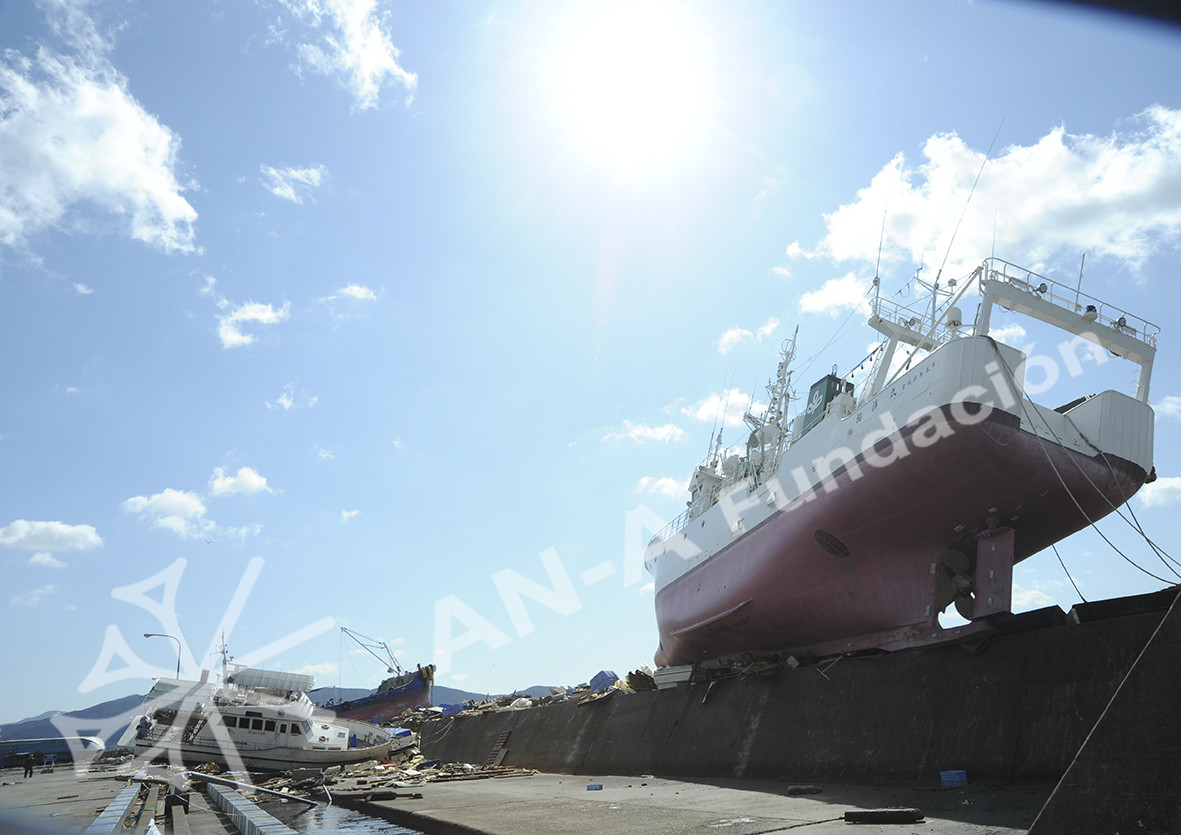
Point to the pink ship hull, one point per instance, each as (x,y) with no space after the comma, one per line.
(777,588)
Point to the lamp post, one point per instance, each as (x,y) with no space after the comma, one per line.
(161,635)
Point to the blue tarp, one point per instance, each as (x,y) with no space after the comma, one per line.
(603,679)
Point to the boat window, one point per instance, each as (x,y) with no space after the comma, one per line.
(283,729)
(257,725)
(270,726)
(230,721)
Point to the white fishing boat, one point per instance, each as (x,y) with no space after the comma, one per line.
(853,523)
(257,719)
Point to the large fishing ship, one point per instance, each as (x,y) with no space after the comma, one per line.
(855,523)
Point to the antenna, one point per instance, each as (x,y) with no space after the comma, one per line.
(969,200)
(877,281)
(1078,290)
(709,446)
(725,407)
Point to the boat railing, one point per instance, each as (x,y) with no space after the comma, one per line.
(696,509)
(1071,299)
(909,317)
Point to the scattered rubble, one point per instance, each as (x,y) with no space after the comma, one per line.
(384,781)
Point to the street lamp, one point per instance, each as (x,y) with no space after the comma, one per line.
(160,635)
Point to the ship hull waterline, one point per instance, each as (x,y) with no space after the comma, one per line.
(777,589)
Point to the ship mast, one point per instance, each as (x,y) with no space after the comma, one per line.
(770,433)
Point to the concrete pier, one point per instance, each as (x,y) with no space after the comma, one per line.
(560,803)
(67,802)
(1015,713)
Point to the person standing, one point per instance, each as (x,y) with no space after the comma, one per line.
(29,763)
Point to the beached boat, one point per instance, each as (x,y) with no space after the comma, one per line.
(259,719)
(403,690)
(853,524)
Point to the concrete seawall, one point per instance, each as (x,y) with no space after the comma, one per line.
(1015,713)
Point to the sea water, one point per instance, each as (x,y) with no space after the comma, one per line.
(305,819)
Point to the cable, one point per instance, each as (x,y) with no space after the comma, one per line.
(1054,467)
(1068,577)
(1115,478)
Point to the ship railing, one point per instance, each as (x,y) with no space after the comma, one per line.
(698,507)
(918,321)
(1071,299)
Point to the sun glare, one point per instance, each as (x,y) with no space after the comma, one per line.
(632,85)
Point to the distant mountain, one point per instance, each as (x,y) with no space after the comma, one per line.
(441,696)
(42,726)
(450,696)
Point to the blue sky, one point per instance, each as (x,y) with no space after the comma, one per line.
(354,307)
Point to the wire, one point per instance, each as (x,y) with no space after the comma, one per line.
(1115,478)
(964,211)
(836,335)
(1054,467)
(1068,577)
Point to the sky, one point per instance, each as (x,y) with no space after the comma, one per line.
(415,319)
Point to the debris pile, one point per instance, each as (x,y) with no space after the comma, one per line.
(382,781)
(110,758)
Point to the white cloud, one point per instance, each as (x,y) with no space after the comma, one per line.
(32,598)
(735,403)
(1169,406)
(49,536)
(324,453)
(290,399)
(1161,492)
(318,669)
(1110,196)
(460,677)
(736,336)
(1009,334)
(247,480)
(346,515)
(783,271)
(241,533)
(359,292)
(732,337)
(292,183)
(647,587)
(640,432)
(1026,599)
(44,558)
(75,140)
(210,290)
(82,289)
(664,486)
(229,330)
(795,251)
(837,294)
(354,47)
(175,510)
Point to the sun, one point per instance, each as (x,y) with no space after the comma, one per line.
(632,84)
